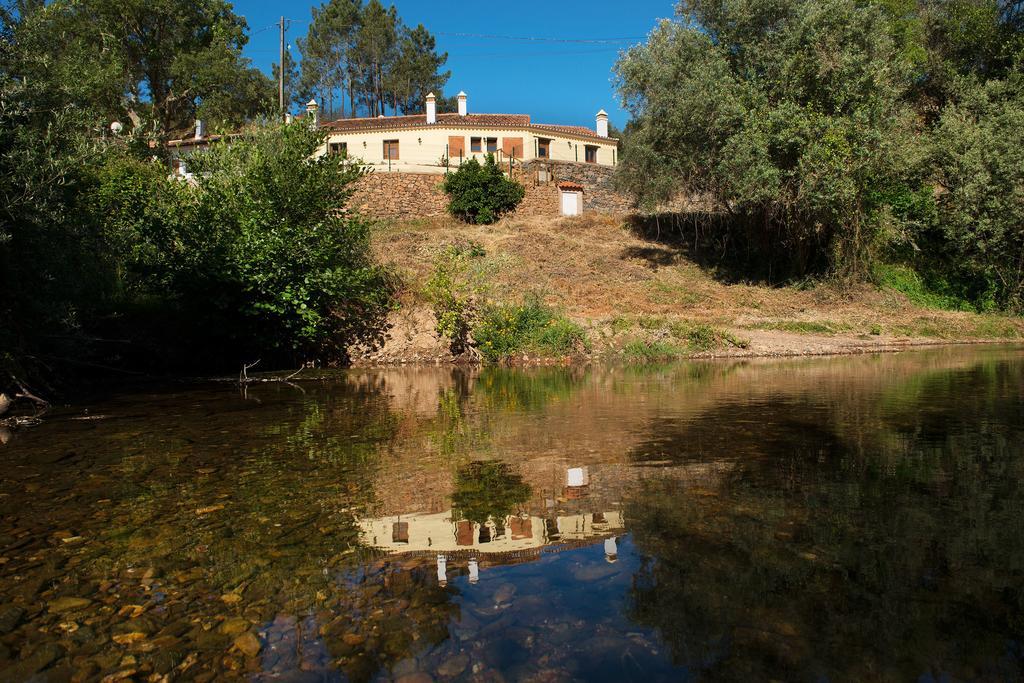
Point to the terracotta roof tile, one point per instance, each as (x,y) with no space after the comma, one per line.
(570,186)
(452,119)
(573,130)
(420,120)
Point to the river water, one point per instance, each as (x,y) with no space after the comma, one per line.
(840,519)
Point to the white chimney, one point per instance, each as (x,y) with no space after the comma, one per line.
(313,112)
(462,103)
(431,108)
(200,129)
(602,123)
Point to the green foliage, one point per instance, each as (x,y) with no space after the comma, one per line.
(155,65)
(703,337)
(840,131)
(505,330)
(251,259)
(909,282)
(688,337)
(978,148)
(836,133)
(803,326)
(453,290)
(646,351)
(262,230)
(365,53)
(790,113)
(488,491)
(53,264)
(480,193)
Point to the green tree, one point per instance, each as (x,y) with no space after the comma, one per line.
(265,255)
(417,70)
(327,49)
(158,64)
(790,114)
(978,148)
(54,266)
(480,193)
(376,49)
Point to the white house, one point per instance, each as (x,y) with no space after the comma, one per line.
(433,142)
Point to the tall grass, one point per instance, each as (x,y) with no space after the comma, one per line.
(909,282)
(505,330)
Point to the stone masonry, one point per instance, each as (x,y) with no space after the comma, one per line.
(598,191)
(400,195)
(419,195)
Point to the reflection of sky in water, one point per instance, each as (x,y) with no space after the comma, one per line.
(733,521)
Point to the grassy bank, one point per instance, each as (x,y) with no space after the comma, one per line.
(592,287)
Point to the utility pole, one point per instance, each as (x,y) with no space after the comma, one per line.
(280,75)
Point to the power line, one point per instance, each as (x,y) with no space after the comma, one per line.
(526,54)
(540,39)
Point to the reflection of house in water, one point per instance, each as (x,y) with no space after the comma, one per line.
(518,534)
(569,505)
(516,539)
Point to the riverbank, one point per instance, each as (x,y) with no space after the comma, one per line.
(641,297)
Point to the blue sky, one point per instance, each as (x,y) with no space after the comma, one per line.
(554,82)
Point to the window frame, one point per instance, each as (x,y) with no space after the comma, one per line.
(543,148)
(587,151)
(338,148)
(476,145)
(488,145)
(390,145)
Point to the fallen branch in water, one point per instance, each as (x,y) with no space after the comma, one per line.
(41,404)
(243,376)
(25,393)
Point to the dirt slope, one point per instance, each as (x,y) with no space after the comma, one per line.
(624,287)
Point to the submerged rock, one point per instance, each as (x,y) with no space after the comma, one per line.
(233,626)
(418,677)
(453,666)
(68,604)
(10,616)
(248,644)
(42,657)
(504,594)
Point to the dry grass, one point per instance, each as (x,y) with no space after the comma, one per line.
(600,274)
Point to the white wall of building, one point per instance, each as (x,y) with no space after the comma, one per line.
(422,149)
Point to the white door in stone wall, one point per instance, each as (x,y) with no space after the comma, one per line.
(571,204)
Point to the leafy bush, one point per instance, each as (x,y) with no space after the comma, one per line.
(254,259)
(532,327)
(651,351)
(275,244)
(480,193)
(907,281)
(454,291)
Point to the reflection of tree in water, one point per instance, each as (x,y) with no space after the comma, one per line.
(488,490)
(851,542)
(466,410)
(527,390)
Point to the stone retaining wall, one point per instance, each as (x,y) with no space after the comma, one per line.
(598,192)
(418,195)
(400,195)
